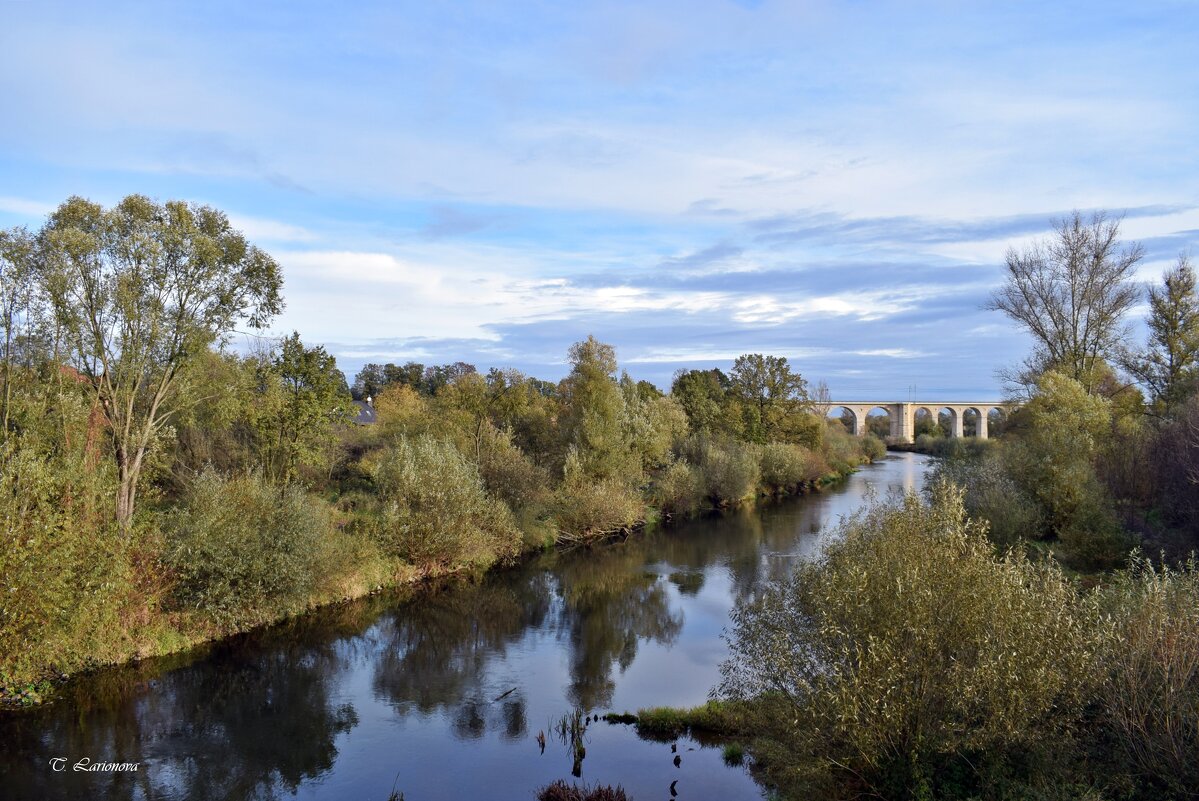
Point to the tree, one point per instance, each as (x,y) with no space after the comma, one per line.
(594,411)
(770,393)
(1071,292)
(138,290)
(303,396)
(703,394)
(17,250)
(1166,366)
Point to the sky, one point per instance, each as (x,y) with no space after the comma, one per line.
(834,182)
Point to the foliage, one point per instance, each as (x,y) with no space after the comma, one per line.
(873,448)
(585,508)
(908,644)
(991,494)
(1053,460)
(244,550)
(842,449)
(593,424)
(1151,693)
(770,396)
(713,717)
(434,509)
(703,396)
(372,379)
(300,401)
(1166,366)
(678,488)
(1175,471)
(651,422)
(138,291)
(62,575)
(784,467)
(17,307)
(728,470)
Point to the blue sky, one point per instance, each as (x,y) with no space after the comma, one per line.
(832,182)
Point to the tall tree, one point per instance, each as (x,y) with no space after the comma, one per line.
(770,394)
(1166,366)
(17,249)
(303,397)
(703,394)
(1071,292)
(138,291)
(593,408)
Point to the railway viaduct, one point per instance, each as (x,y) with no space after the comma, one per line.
(903,414)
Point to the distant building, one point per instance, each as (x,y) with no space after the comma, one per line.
(366,412)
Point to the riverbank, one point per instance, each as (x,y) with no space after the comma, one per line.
(160,632)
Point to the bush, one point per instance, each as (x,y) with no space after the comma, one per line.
(907,645)
(435,510)
(873,448)
(586,508)
(953,447)
(677,488)
(63,570)
(842,449)
(1151,695)
(992,495)
(785,467)
(511,476)
(729,472)
(244,550)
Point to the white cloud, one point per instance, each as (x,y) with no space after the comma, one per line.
(259,229)
(25,207)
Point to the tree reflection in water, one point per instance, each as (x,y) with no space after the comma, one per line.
(256,728)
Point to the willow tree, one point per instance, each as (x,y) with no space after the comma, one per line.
(1071,292)
(138,291)
(16,306)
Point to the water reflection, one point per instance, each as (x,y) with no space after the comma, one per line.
(450,688)
(257,728)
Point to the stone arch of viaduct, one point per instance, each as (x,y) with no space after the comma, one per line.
(903,415)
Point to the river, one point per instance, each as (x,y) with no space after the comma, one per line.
(441,694)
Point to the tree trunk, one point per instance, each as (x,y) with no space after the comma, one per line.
(124,493)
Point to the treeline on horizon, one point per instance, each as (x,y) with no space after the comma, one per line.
(1029,629)
(158,489)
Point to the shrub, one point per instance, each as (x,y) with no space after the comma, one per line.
(842,449)
(677,488)
(729,472)
(435,510)
(244,550)
(62,568)
(908,644)
(586,508)
(1151,693)
(991,494)
(511,476)
(873,448)
(784,467)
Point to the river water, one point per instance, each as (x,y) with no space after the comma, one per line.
(441,694)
